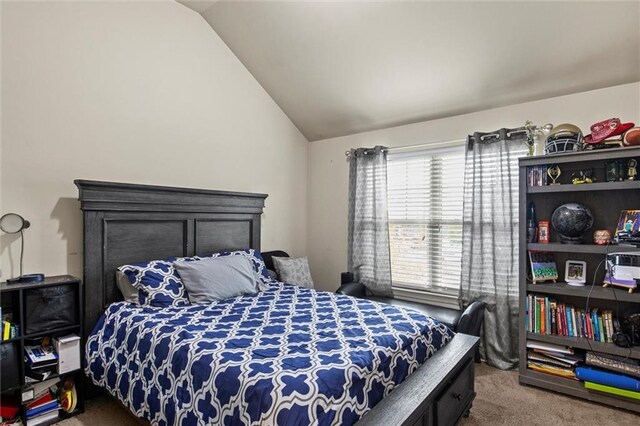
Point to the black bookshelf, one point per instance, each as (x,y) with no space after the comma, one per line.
(13,298)
(605,200)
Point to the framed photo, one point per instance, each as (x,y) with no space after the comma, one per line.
(543,231)
(575,273)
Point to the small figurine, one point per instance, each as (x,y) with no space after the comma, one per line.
(554,173)
(631,171)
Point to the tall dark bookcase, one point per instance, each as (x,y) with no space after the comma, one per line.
(605,200)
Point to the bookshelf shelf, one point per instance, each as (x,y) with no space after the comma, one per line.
(574,388)
(580,248)
(596,186)
(53,331)
(582,343)
(598,292)
(605,200)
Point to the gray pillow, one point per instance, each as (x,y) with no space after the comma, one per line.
(212,279)
(294,271)
(129,292)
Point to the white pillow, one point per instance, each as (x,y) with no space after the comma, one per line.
(129,292)
(212,279)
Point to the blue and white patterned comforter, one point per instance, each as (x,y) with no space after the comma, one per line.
(285,356)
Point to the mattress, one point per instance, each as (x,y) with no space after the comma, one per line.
(286,356)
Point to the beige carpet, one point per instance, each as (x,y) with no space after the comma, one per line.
(500,401)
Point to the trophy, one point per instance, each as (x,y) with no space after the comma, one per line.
(631,171)
(554,173)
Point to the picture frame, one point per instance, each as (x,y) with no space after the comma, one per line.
(575,273)
(543,266)
(543,232)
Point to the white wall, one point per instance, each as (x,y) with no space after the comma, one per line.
(141,92)
(328,168)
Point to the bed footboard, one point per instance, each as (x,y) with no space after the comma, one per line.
(439,393)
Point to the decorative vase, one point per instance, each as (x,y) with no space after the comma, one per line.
(571,221)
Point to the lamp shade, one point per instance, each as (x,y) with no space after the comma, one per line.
(12,223)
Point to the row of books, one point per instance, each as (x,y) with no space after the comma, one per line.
(614,375)
(537,176)
(547,316)
(10,330)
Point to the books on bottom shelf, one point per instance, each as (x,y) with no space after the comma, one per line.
(609,382)
(617,364)
(552,359)
(612,390)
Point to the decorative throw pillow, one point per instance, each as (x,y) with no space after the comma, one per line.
(294,271)
(217,278)
(157,282)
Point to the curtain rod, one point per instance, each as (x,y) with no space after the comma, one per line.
(445,143)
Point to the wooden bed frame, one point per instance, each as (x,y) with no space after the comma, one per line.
(129,223)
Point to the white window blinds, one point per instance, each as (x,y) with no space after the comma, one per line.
(425,218)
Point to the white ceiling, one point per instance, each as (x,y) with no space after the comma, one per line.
(338,68)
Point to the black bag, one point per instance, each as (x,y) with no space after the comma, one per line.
(50,307)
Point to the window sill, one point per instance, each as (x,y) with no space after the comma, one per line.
(427,297)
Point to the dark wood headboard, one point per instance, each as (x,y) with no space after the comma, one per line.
(129,223)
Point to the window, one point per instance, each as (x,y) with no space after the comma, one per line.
(425,219)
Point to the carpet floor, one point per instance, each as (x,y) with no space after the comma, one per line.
(500,401)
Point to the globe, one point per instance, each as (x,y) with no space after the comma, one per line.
(571,221)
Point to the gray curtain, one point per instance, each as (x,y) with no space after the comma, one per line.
(368,220)
(490,244)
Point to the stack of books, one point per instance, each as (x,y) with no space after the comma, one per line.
(609,382)
(41,362)
(547,316)
(553,359)
(43,408)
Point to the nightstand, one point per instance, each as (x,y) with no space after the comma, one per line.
(32,312)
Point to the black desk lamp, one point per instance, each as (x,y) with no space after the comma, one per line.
(12,223)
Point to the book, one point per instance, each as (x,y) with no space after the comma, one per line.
(610,322)
(46,397)
(556,371)
(608,378)
(544,358)
(40,388)
(571,359)
(549,347)
(601,326)
(45,418)
(612,390)
(6,330)
(43,408)
(628,366)
(37,356)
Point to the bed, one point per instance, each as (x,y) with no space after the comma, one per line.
(382,365)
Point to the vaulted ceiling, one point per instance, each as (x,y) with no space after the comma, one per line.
(337,68)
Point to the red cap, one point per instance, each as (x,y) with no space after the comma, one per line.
(606,129)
